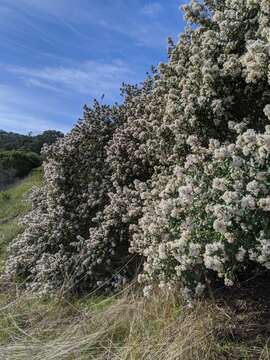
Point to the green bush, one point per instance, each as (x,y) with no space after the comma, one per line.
(27,143)
(4,195)
(16,164)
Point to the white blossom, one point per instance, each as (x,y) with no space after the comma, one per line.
(248,202)
(267,111)
(219,184)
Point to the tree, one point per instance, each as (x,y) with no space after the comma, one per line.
(30,143)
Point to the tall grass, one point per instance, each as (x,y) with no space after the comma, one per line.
(125,327)
(13,205)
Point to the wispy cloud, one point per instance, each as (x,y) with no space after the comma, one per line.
(152,9)
(57,55)
(32,82)
(93,78)
(148,35)
(21,112)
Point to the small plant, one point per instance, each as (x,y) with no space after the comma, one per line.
(4,195)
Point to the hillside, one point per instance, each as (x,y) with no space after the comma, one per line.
(28,143)
(13,205)
(19,154)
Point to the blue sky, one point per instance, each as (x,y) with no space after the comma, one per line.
(57,55)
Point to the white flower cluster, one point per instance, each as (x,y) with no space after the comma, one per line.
(220,228)
(62,246)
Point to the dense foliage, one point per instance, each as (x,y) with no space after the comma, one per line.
(19,154)
(176,178)
(28,143)
(16,164)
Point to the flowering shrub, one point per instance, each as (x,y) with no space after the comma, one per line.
(52,252)
(143,180)
(211,216)
(219,70)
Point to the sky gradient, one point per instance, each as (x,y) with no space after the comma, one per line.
(57,55)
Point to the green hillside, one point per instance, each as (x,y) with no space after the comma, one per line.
(19,154)
(13,205)
(27,143)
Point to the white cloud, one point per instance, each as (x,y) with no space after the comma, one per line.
(91,77)
(37,101)
(150,35)
(48,6)
(152,9)
(121,16)
(31,82)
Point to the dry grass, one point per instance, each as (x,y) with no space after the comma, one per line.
(125,327)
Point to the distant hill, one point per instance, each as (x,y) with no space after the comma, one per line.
(28,143)
(19,154)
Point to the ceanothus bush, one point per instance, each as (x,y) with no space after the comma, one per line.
(52,251)
(171,177)
(210,218)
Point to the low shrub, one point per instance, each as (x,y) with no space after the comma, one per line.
(4,195)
